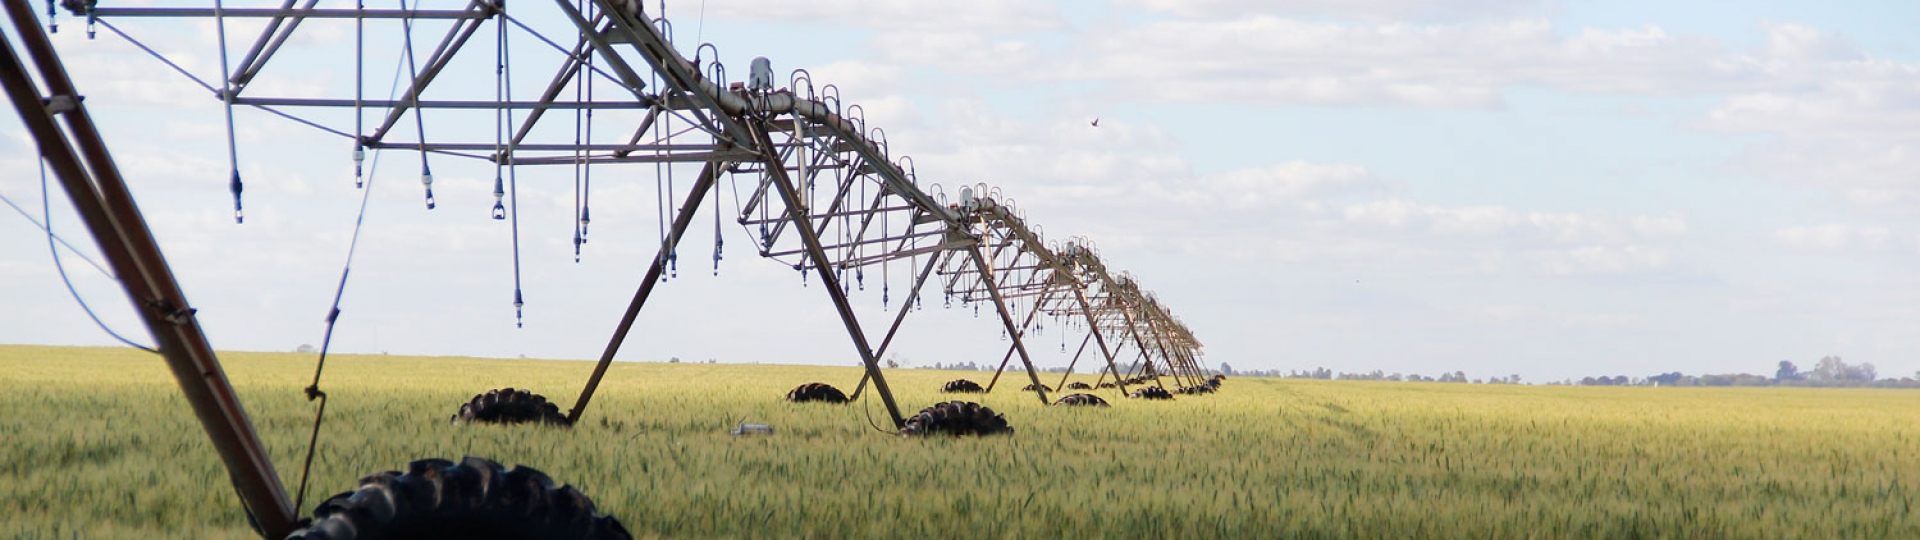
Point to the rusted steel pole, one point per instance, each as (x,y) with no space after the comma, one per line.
(115,222)
(1145,353)
(912,295)
(1093,328)
(796,209)
(1182,372)
(680,223)
(1075,361)
(1017,343)
(999,305)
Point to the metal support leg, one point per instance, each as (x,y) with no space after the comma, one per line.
(100,194)
(1174,363)
(1017,344)
(1000,305)
(823,266)
(1145,356)
(1075,361)
(680,222)
(1093,328)
(1004,360)
(904,308)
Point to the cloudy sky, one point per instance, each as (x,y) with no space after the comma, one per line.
(1550,189)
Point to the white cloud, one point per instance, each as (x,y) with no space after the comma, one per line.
(987,15)
(1562,228)
(1835,237)
(1365,9)
(1266,59)
(1837,118)
(1291,183)
(1605,259)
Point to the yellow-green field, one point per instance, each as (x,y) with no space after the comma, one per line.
(97,443)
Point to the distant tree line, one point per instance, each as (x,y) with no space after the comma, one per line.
(1375,375)
(1831,371)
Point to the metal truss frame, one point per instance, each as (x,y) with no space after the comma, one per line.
(825,195)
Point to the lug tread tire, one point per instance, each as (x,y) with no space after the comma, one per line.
(1151,392)
(816,391)
(1081,400)
(956,418)
(510,406)
(962,386)
(476,499)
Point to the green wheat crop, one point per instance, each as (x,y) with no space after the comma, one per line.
(98,443)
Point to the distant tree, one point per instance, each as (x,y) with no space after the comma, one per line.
(1225,369)
(1788,372)
(1666,379)
(1864,372)
(1830,369)
(1834,371)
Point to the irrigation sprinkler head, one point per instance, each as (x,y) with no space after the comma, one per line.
(236,187)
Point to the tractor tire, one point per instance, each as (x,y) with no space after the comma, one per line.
(475,499)
(1195,389)
(1106,385)
(1081,400)
(510,406)
(1151,392)
(962,386)
(1077,385)
(815,391)
(1043,388)
(956,418)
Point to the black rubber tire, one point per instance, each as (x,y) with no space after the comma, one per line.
(475,499)
(1029,388)
(962,386)
(816,391)
(1195,389)
(1151,392)
(1077,385)
(510,406)
(1081,400)
(956,418)
(1106,385)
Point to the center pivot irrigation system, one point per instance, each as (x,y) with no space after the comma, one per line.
(814,186)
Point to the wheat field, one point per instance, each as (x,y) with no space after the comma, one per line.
(98,444)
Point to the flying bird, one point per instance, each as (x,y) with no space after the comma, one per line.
(1096,121)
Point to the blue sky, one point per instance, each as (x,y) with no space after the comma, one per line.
(1494,186)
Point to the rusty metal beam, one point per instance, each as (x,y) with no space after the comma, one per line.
(823,267)
(680,222)
(980,261)
(100,194)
